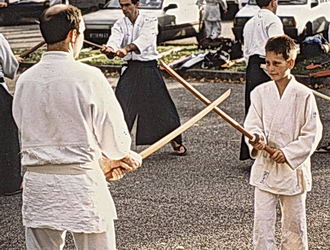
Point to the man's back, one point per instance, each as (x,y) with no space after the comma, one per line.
(258,29)
(57,106)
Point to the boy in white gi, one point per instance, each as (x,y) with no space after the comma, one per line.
(284,114)
(68,116)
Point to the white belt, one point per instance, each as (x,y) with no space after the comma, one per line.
(212,4)
(63,169)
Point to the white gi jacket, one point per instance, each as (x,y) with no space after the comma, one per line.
(67,115)
(290,123)
(83,117)
(258,30)
(212,9)
(8,62)
(143,34)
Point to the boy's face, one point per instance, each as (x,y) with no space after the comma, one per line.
(277,66)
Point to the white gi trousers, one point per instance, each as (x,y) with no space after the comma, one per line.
(45,238)
(293,222)
(212,29)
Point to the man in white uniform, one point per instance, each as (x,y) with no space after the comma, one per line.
(284,114)
(141,90)
(68,117)
(212,16)
(257,31)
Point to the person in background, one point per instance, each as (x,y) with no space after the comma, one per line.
(284,176)
(53,2)
(141,90)
(256,32)
(10,167)
(3,4)
(71,127)
(212,16)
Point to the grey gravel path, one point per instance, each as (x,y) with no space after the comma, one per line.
(200,201)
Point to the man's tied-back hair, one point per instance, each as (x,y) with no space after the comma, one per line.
(135,1)
(283,45)
(55,26)
(263,3)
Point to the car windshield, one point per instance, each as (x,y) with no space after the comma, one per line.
(144,4)
(283,2)
(27,1)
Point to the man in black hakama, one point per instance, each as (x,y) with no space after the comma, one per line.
(141,90)
(10,167)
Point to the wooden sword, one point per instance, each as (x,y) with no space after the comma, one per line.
(159,144)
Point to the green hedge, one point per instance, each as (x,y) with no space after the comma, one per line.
(99,59)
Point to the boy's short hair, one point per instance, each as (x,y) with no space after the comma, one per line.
(283,45)
(263,3)
(55,26)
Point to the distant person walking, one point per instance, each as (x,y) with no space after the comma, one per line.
(257,31)
(10,167)
(141,90)
(212,16)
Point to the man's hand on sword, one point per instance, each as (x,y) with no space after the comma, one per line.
(116,169)
(108,51)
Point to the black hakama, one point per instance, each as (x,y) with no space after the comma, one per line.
(10,166)
(254,77)
(142,93)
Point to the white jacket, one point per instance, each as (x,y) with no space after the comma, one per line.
(290,123)
(67,113)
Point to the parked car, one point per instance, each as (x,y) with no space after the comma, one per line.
(24,11)
(176,19)
(28,11)
(300,18)
(87,6)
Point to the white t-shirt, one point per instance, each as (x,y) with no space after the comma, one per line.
(258,30)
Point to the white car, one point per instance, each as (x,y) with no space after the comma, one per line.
(300,18)
(176,19)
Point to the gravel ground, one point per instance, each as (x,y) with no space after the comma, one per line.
(200,201)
